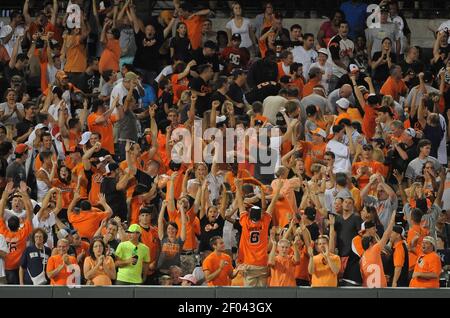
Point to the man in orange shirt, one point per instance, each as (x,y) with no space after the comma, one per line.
(63,269)
(253,246)
(315,76)
(325,266)
(400,259)
(217,266)
(101,121)
(15,236)
(87,219)
(109,60)
(428,267)
(394,85)
(362,170)
(284,66)
(372,270)
(193,21)
(314,152)
(416,234)
(282,266)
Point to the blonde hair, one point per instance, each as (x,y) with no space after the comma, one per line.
(388,101)
(316,167)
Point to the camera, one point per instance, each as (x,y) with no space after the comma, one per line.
(40,43)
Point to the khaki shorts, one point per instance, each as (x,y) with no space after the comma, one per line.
(255,276)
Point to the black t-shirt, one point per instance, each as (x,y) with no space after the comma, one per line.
(237,94)
(144,179)
(262,71)
(182,48)
(216,95)
(24,126)
(345,79)
(147,55)
(34,260)
(203,102)
(346,230)
(435,135)
(314,231)
(198,56)
(262,91)
(205,235)
(415,67)
(10,72)
(113,244)
(381,73)
(117,200)
(394,160)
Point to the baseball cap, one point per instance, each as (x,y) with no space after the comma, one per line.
(85,137)
(353,68)
(410,132)
(110,167)
(40,126)
(310,213)
(210,45)
(431,240)
(21,149)
(373,99)
(323,51)
(367,225)
(319,131)
(221,119)
(384,8)
(236,36)
(130,76)
(343,103)
(344,194)
(190,278)
(134,228)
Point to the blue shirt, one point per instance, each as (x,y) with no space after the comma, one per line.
(355,14)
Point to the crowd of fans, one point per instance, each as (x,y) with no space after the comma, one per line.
(353,120)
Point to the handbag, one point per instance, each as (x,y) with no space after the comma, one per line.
(40,279)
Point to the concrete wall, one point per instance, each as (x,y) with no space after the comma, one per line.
(218,292)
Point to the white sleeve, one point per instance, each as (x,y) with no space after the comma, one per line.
(3,245)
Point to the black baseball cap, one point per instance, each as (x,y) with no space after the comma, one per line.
(236,36)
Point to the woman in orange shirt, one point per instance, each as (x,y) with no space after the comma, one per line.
(98,268)
(67,186)
(109,60)
(179,79)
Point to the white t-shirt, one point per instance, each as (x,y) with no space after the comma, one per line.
(442,150)
(168,70)
(46,226)
(9,213)
(3,248)
(306,58)
(13,120)
(118,90)
(5,30)
(244,31)
(445,26)
(51,73)
(342,154)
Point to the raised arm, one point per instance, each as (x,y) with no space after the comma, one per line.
(4,200)
(26,12)
(399,177)
(275,198)
(388,232)
(171,197)
(239,198)
(105,205)
(183,224)
(88,154)
(161,220)
(13,59)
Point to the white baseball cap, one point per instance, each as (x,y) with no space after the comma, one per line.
(343,103)
(323,51)
(353,68)
(85,137)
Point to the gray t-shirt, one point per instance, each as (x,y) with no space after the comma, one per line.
(414,168)
(13,120)
(384,208)
(16,172)
(334,96)
(313,99)
(128,126)
(170,253)
(127,42)
(376,35)
(409,98)
(106,89)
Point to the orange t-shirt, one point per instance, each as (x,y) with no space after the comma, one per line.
(62,278)
(282,273)
(310,151)
(76,59)
(96,182)
(298,83)
(212,264)
(109,60)
(67,191)
(354,114)
(150,238)
(194,29)
(178,87)
(374,167)
(342,116)
(17,243)
(394,88)
(427,263)
(84,246)
(301,269)
(323,276)
(105,130)
(286,207)
(308,89)
(399,254)
(135,206)
(101,278)
(87,222)
(191,241)
(78,170)
(38,162)
(281,72)
(254,240)
(372,270)
(418,250)
(74,138)
(368,125)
